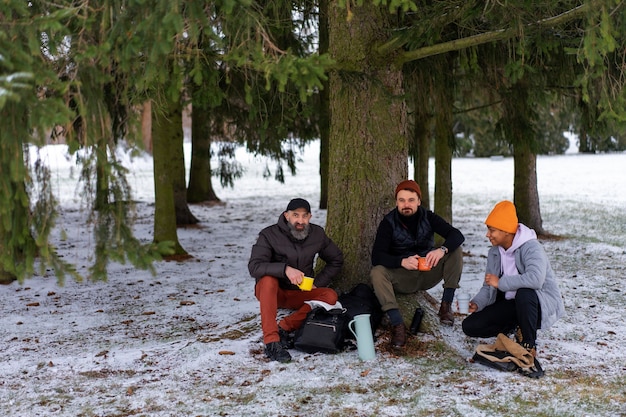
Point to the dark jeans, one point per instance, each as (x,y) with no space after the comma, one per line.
(504,315)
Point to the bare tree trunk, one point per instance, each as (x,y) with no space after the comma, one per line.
(16,241)
(444,136)
(422,164)
(324,109)
(520,132)
(167,143)
(526,195)
(177,165)
(417,79)
(443,164)
(421,150)
(368,142)
(102,176)
(585,144)
(146,126)
(200,185)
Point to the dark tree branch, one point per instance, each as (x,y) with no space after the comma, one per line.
(479,39)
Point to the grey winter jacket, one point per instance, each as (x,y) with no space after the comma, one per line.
(276,248)
(535,271)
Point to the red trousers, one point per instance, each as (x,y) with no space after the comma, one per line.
(272,297)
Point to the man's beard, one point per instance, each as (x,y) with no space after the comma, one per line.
(299,234)
(408,213)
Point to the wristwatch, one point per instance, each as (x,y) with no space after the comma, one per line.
(444,249)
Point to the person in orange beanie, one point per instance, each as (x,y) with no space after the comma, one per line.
(520,293)
(405,237)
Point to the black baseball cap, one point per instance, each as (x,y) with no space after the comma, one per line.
(297,203)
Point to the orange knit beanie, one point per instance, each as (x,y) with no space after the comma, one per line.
(503,217)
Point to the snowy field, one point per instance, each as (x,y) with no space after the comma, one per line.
(187,342)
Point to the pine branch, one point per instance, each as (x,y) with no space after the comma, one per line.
(497,35)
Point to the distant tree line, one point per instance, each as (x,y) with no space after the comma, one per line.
(379,82)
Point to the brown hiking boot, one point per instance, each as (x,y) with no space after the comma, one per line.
(398,335)
(445,313)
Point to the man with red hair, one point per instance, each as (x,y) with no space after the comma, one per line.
(405,235)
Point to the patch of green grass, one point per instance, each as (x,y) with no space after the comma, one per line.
(586,394)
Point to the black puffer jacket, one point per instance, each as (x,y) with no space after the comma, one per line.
(276,248)
(398,237)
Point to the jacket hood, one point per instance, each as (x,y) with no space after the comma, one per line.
(523,235)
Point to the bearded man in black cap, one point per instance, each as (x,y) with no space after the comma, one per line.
(282,256)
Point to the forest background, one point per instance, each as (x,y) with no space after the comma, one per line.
(379,82)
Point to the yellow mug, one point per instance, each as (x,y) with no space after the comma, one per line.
(306,284)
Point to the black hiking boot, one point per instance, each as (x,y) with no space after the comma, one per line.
(287,339)
(275,352)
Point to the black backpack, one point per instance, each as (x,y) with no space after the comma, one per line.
(322,331)
(361,300)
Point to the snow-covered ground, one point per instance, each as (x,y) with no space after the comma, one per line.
(187,342)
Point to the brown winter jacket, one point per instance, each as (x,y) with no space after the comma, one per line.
(276,248)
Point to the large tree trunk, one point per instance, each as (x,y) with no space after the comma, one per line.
(368,143)
(166,145)
(200,185)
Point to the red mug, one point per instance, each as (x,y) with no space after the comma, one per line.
(422,264)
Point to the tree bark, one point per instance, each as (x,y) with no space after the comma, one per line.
(430,321)
(146,126)
(520,133)
(368,136)
(526,195)
(177,164)
(421,156)
(421,122)
(443,86)
(443,169)
(444,139)
(166,145)
(324,109)
(16,241)
(102,176)
(200,185)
